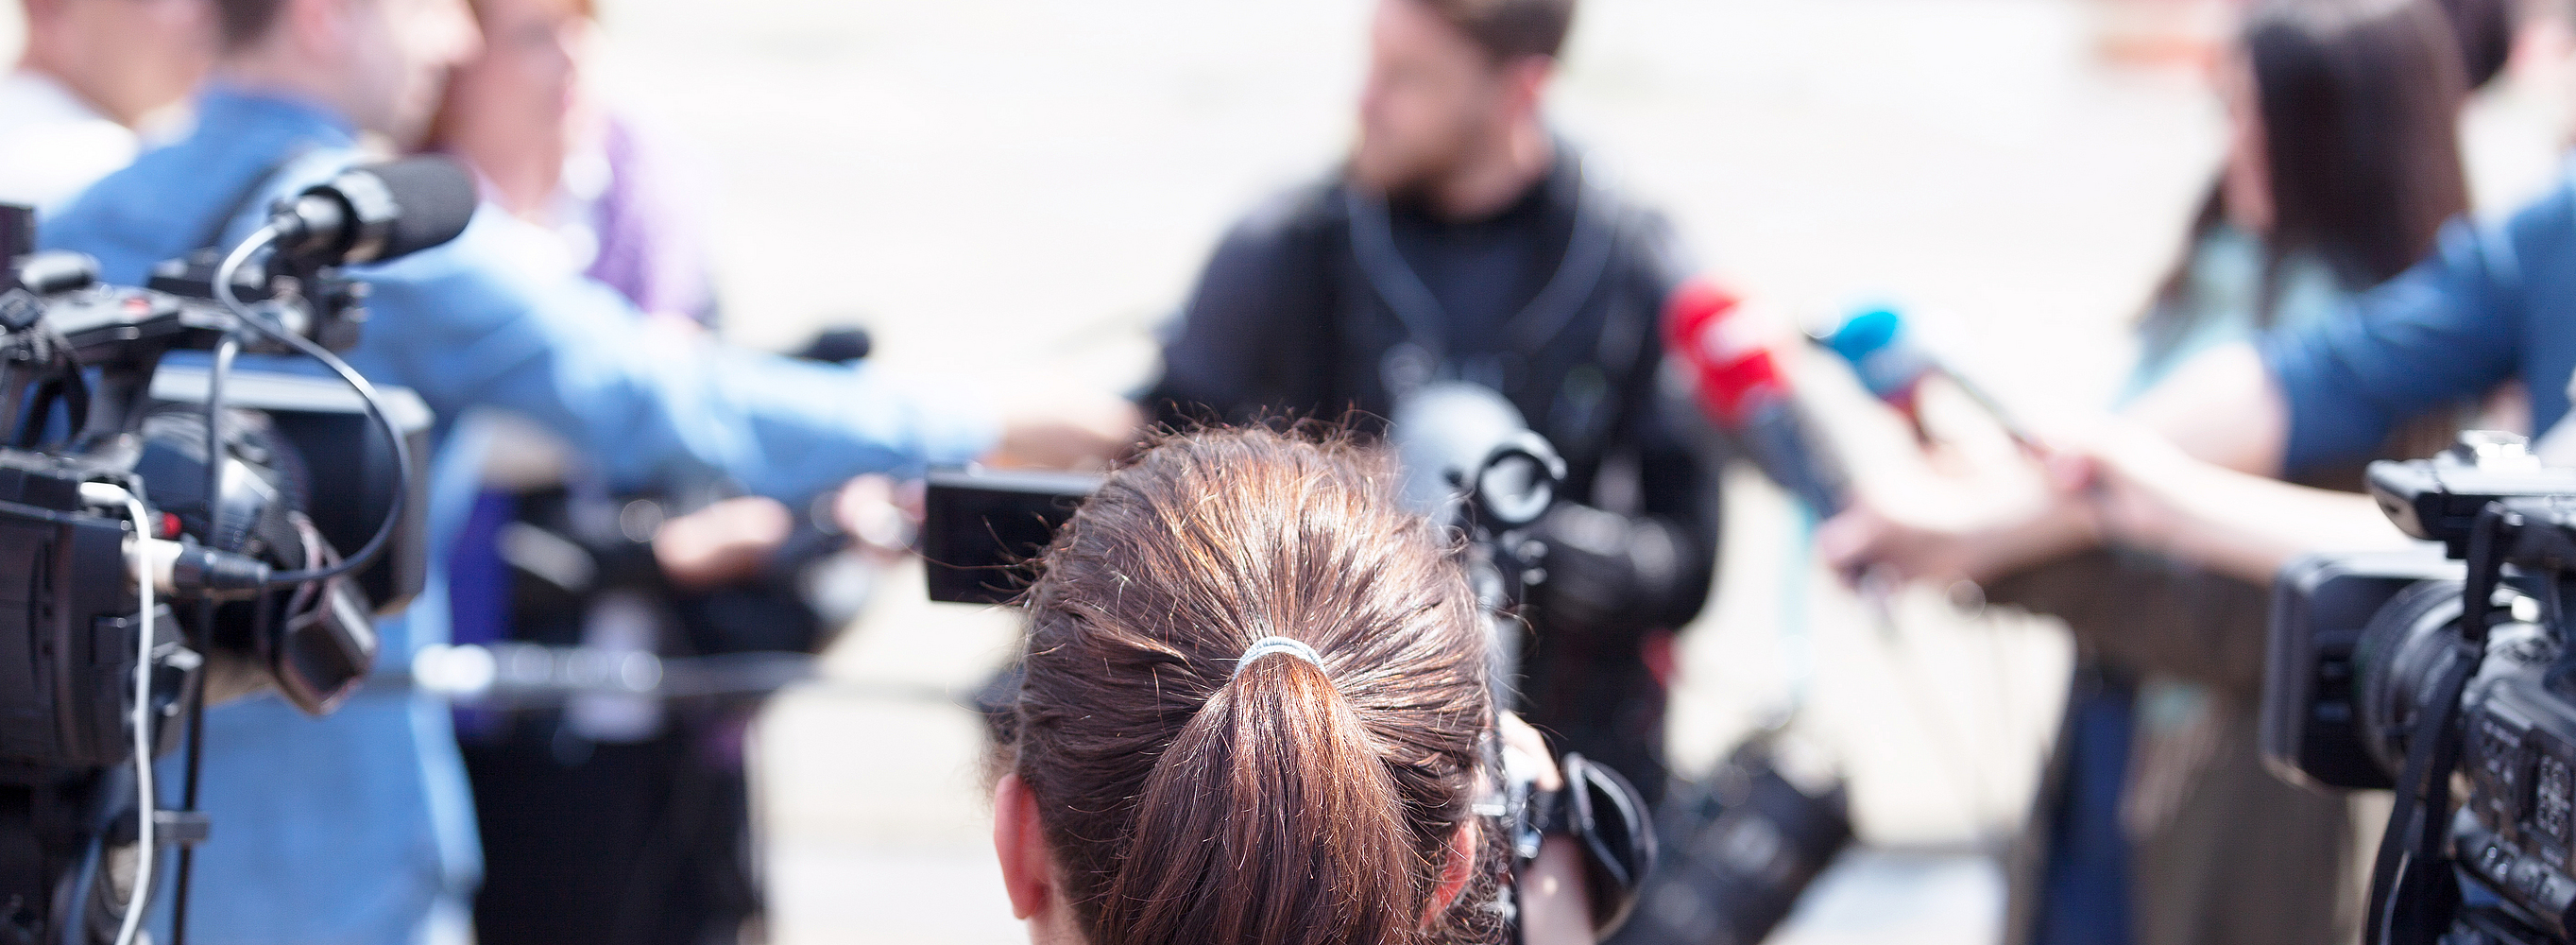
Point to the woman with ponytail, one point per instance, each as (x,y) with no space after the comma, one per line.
(1256,710)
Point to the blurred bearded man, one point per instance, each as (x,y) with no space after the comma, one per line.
(1464,241)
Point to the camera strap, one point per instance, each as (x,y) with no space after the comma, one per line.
(2412,888)
(1589,250)
(2414,891)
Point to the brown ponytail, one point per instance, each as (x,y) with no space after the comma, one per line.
(1289,803)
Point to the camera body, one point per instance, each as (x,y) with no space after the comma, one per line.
(65,644)
(2446,669)
(302,474)
(2312,726)
(182,502)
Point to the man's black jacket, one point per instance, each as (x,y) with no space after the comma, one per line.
(1326,303)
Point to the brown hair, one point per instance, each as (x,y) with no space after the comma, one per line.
(2360,104)
(1510,29)
(1189,799)
(2484,29)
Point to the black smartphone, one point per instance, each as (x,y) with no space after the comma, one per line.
(982,527)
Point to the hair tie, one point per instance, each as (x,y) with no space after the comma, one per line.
(1270,645)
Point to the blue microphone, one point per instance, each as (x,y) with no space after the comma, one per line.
(1891,363)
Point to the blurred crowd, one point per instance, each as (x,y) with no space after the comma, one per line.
(610,476)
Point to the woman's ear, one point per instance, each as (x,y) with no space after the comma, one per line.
(1454,872)
(1020,841)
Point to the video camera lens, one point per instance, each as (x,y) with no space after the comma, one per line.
(2403,652)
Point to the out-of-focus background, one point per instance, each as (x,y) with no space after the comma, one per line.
(1002,187)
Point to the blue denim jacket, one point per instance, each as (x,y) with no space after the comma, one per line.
(355,829)
(2494,303)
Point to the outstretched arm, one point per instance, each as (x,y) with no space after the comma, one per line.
(479,325)
(2189,477)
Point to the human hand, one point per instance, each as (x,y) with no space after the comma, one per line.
(1866,541)
(723,543)
(1938,536)
(2124,476)
(1555,901)
(732,540)
(1525,752)
(1068,430)
(880,515)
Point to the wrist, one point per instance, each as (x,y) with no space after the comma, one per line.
(2133,498)
(2064,524)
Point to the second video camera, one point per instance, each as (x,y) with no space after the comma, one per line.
(2422,672)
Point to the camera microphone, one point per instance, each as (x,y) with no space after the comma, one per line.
(376,212)
(1741,387)
(1891,362)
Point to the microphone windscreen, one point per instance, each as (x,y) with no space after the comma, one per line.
(1692,307)
(1734,369)
(1741,387)
(436,197)
(1882,353)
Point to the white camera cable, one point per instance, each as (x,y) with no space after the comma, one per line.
(140,559)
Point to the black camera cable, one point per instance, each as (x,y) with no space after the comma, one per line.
(225,352)
(194,760)
(194,765)
(375,547)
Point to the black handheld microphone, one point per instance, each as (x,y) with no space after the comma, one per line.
(376,212)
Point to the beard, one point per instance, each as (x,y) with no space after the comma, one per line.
(1400,179)
(1415,169)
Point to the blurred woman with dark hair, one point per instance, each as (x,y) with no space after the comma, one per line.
(2342,164)
(1256,709)
(2156,822)
(553,152)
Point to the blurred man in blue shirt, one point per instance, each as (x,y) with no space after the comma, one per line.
(356,828)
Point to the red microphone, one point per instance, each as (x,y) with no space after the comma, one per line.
(1741,387)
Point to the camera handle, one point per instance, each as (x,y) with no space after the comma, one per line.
(2414,891)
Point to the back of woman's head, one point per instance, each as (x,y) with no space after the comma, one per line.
(1189,798)
(2360,103)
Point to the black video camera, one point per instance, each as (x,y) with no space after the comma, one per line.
(2434,671)
(174,534)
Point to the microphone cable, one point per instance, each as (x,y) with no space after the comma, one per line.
(375,547)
